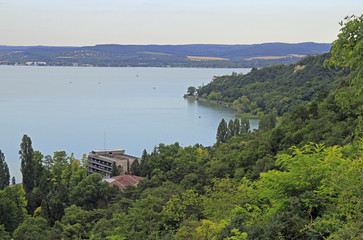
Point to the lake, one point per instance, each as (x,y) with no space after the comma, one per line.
(79,109)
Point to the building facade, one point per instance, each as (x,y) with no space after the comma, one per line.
(100,161)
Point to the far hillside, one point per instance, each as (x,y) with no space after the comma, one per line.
(192,55)
(276,88)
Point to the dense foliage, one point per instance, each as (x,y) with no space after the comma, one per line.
(277,88)
(299,180)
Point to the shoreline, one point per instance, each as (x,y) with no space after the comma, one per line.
(221,103)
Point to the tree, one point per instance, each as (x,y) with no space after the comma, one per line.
(222,132)
(4,172)
(145,170)
(13,181)
(41,174)
(135,167)
(245,125)
(59,163)
(347,53)
(90,192)
(27,164)
(4,235)
(12,207)
(32,229)
(191,91)
(231,130)
(347,49)
(115,171)
(237,126)
(267,121)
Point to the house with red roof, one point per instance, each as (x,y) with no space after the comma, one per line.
(122,181)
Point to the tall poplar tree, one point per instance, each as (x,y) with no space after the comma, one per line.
(4,172)
(237,126)
(27,164)
(245,125)
(222,132)
(231,131)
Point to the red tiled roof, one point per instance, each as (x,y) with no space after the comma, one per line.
(123,181)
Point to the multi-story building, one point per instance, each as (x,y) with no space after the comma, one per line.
(100,161)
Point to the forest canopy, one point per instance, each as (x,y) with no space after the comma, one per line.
(301,179)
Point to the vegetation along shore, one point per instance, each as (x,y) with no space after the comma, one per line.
(299,180)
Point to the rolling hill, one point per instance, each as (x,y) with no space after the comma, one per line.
(192,55)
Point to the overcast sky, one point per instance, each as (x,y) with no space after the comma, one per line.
(90,22)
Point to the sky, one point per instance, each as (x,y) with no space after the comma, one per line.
(91,22)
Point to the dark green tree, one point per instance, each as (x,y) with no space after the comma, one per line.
(245,125)
(135,167)
(222,132)
(32,229)
(115,171)
(41,174)
(90,193)
(191,91)
(13,181)
(4,172)
(27,164)
(4,235)
(267,122)
(237,126)
(231,131)
(144,166)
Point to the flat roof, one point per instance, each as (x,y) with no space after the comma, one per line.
(109,150)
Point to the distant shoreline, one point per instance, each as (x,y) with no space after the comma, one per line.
(80,66)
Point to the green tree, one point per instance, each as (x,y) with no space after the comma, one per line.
(32,229)
(185,206)
(13,181)
(245,125)
(144,166)
(267,122)
(77,223)
(59,163)
(27,164)
(8,212)
(231,130)
(90,193)
(222,132)
(40,172)
(347,50)
(12,207)
(4,172)
(4,235)
(115,171)
(243,103)
(145,218)
(214,96)
(135,167)
(191,91)
(237,126)
(347,53)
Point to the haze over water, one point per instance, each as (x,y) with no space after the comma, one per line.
(81,109)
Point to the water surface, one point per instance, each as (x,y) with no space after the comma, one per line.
(82,109)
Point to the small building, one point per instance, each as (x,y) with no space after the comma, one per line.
(122,181)
(100,161)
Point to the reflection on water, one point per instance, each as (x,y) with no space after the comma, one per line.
(220,108)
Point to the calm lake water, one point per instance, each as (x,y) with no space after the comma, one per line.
(81,109)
